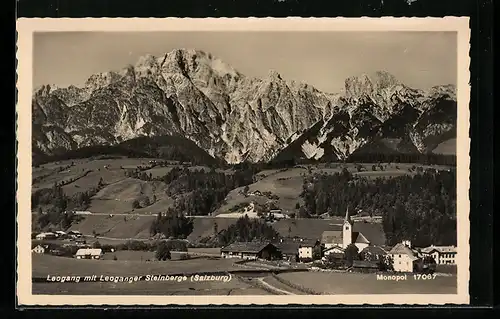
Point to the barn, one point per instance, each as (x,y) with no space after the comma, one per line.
(251,250)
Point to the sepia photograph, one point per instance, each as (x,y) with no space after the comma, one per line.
(243,161)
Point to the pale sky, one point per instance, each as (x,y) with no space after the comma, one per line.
(322,59)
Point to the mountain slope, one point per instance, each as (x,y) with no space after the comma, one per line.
(195,95)
(379,115)
(176,148)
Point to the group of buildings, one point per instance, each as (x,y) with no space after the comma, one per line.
(82,253)
(59,234)
(333,244)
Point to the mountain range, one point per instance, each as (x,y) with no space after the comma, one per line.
(192,95)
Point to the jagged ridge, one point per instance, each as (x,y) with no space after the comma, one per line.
(193,94)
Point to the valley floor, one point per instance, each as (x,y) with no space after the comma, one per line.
(255,282)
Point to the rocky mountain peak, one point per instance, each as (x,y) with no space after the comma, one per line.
(368,84)
(44,90)
(100,80)
(198,96)
(274,75)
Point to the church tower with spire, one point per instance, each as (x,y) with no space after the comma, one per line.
(347,230)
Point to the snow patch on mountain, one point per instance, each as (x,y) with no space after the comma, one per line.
(312,150)
(231,116)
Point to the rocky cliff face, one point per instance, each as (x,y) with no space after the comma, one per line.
(378,109)
(231,116)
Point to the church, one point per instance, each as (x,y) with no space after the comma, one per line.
(336,240)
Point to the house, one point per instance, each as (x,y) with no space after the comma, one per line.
(60,233)
(80,241)
(48,235)
(56,251)
(405,259)
(443,255)
(89,253)
(251,250)
(39,249)
(373,253)
(307,247)
(365,266)
(289,250)
(336,249)
(75,233)
(344,235)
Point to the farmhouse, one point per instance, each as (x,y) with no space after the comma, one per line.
(373,253)
(441,254)
(297,249)
(39,249)
(46,236)
(89,253)
(336,249)
(404,258)
(60,233)
(344,236)
(251,250)
(289,250)
(75,233)
(307,247)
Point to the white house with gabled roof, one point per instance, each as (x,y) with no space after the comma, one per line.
(89,253)
(404,257)
(443,255)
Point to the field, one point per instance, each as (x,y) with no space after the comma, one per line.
(130,264)
(135,264)
(44,265)
(115,229)
(448,147)
(234,287)
(365,283)
(120,191)
(287,183)
(131,255)
(119,226)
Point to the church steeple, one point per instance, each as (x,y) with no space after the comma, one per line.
(347,230)
(347,218)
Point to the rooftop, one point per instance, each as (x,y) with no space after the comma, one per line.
(359,238)
(331,236)
(375,250)
(440,249)
(246,247)
(400,249)
(89,251)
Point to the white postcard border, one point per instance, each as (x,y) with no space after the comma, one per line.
(27,26)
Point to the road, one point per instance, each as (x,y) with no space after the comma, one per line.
(270,287)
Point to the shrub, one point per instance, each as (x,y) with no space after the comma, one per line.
(162,252)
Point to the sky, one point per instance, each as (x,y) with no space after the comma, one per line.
(322,59)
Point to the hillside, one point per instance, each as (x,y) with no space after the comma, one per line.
(173,147)
(279,186)
(197,99)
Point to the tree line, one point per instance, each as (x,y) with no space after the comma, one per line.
(54,208)
(172,224)
(415,158)
(246,230)
(200,192)
(421,207)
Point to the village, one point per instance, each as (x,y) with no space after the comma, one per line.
(350,246)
